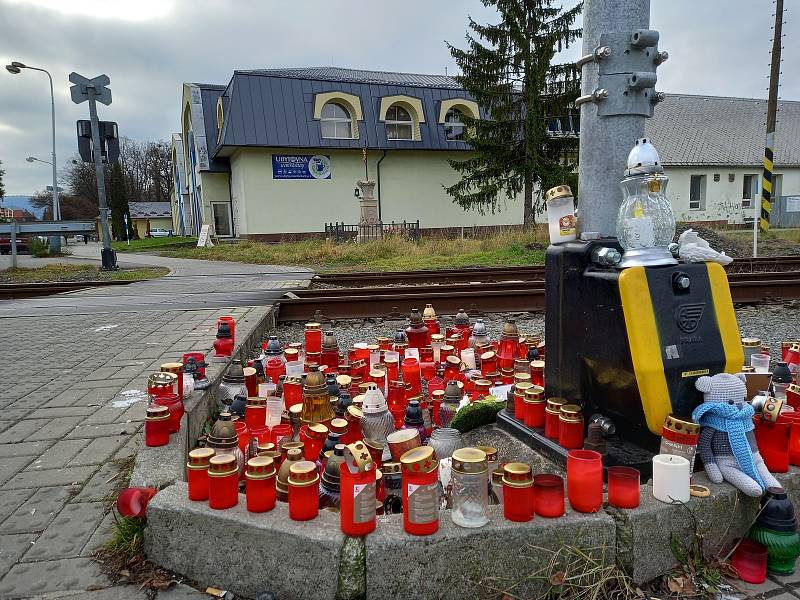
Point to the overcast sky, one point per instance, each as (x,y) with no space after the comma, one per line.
(149,47)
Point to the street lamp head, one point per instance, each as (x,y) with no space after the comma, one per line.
(30,159)
(12,69)
(19,65)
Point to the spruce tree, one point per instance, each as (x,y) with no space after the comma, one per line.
(2,185)
(118,203)
(508,69)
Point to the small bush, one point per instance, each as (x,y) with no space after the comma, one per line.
(38,248)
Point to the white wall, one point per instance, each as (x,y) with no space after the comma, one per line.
(411,189)
(723,198)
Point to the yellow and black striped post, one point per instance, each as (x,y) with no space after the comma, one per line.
(766,183)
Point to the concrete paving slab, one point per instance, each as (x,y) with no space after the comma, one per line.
(11,500)
(12,547)
(36,513)
(50,477)
(67,534)
(28,579)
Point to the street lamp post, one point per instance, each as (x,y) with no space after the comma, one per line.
(15,68)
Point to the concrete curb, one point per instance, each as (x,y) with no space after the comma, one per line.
(164,465)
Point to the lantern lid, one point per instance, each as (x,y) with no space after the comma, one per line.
(354,411)
(303,473)
(260,467)
(224,330)
(400,337)
(235,372)
(469,460)
(416,317)
(391,468)
(162,378)
(560,191)
(374,402)
(510,328)
(413,414)
(357,457)
(419,460)
(479,328)
(429,313)
(643,159)
(462,318)
(517,474)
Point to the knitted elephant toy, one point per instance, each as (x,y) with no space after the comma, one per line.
(727,442)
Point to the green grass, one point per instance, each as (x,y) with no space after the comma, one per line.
(388,254)
(147,244)
(63,272)
(773,234)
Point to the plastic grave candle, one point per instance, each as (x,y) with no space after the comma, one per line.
(411,374)
(377,422)
(317,407)
(159,384)
(420,469)
(623,487)
(199,359)
(176,368)
(175,408)
(223,345)
(561,221)
(570,427)
(488,363)
(392,362)
(519,400)
(482,387)
(537,372)
(292,391)
(353,416)
(534,407)
(255,412)
(518,495)
(430,319)
(313,337)
(223,482)
(585,480)
(671,478)
(156,426)
(260,484)
(548,494)
(680,437)
(402,441)
(242,435)
(330,350)
(437,341)
(231,323)
(750,561)
(793,418)
(792,357)
(552,415)
(509,344)
(197,473)
(470,488)
(303,491)
(274,368)
(251,380)
(446,351)
(357,491)
(773,443)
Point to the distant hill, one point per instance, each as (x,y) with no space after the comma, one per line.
(23,203)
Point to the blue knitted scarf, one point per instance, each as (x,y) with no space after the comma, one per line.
(736,422)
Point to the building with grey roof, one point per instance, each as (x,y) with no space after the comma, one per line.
(278,152)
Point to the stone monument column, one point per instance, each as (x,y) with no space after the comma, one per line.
(368,225)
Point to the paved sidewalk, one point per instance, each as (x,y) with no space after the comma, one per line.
(66,421)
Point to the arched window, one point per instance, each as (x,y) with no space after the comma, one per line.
(454,125)
(399,125)
(336,122)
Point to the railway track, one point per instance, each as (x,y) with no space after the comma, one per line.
(16,291)
(486,291)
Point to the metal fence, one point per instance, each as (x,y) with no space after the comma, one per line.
(341,232)
(785,212)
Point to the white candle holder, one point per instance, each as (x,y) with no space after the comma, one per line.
(671,478)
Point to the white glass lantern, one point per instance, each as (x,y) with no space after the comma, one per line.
(645,223)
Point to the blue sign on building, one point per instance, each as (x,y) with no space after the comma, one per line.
(301,166)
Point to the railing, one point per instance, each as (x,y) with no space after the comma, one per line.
(341,232)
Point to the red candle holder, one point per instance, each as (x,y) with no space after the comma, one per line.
(361,352)
(585,480)
(313,337)
(623,487)
(420,491)
(357,477)
(773,443)
(428,370)
(437,398)
(375,450)
(274,368)
(243,434)
(537,372)
(279,432)
(411,374)
(199,359)
(353,416)
(260,484)
(750,561)
(197,473)
(251,380)
(303,490)
(262,434)
(519,400)
(292,392)
(313,437)
(378,377)
(552,416)
(156,426)
(482,387)
(223,345)
(793,395)
(570,427)
(534,407)
(176,368)
(548,493)
(392,369)
(488,363)
(175,408)
(255,412)
(223,482)
(793,418)
(133,501)
(231,323)
(160,384)
(518,494)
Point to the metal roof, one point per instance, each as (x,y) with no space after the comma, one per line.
(150,210)
(715,130)
(359,76)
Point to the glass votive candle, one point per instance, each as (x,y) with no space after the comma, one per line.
(420,480)
(197,473)
(585,480)
(156,426)
(482,388)
(357,495)
(773,443)
(470,493)
(378,377)
(255,412)
(760,362)
(223,482)
(175,407)
(750,561)
(313,337)
(392,367)
(793,418)
(570,427)
(303,490)
(261,434)
(251,380)
(353,416)
(548,495)
(260,484)
(361,351)
(537,372)
(552,416)
(518,493)
(623,487)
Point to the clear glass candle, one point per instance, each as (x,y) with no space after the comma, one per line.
(470,491)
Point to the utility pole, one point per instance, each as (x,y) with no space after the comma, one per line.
(762,217)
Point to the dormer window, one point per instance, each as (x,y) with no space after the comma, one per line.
(399,124)
(454,125)
(336,122)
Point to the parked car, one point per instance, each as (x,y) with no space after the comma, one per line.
(159,232)
(5,244)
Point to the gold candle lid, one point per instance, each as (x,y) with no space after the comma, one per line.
(317,430)
(488,355)
(291,352)
(560,191)
(377,373)
(673,423)
(437,337)
(162,379)
(357,457)
(751,342)
(339,426)
(222,465)
(554,405)
(469,460)
(249,371)
(199,458)
(489,451)
(522,387)
(313,326)
(517,475)
(303,473)
(260,467)
(391,468)
(537,365)
(571,413)
(419,460)
(535,394)
(353,412)
(344,380)
(256,402)
(172,367)
(157,413)
(266,447)
(522,377)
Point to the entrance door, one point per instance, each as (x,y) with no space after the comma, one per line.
(222,219)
